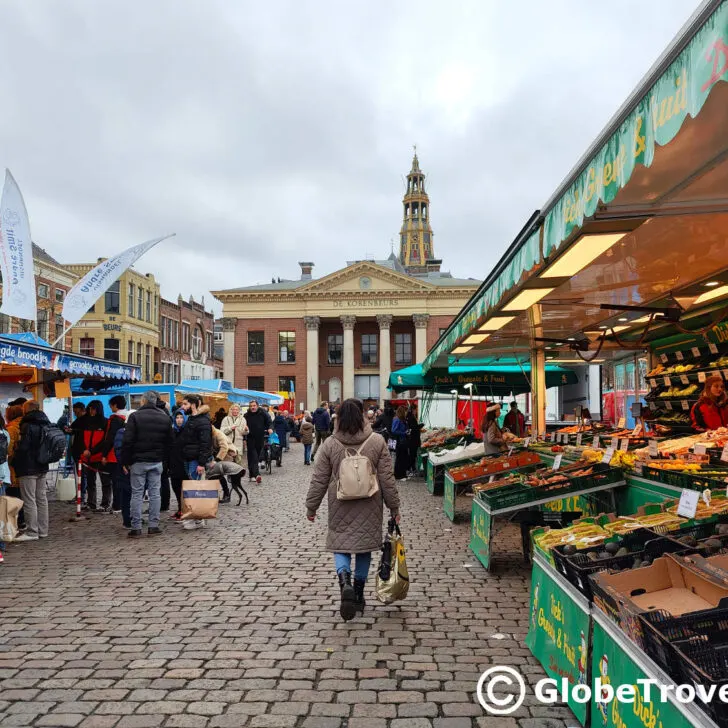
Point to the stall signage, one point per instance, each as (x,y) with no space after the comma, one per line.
(696,352)
(608,455)
(688,504)
(558,635)
(448,499)
(666,381)
(557,462)
(701,376)
(624,444)
(679,355)
(684,379)
(614,666)
(654,452)
(480,533)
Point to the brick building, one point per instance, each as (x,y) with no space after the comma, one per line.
(186,342)
(342,335)
(52,283)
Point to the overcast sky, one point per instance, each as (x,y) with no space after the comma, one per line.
(268,133)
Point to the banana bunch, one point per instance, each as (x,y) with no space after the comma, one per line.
(580,535)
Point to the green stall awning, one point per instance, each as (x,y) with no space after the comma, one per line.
(492,380)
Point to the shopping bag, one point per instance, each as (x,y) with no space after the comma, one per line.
(200,499)
(9,509)
(392,577)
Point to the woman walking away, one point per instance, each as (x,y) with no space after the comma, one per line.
(355,525)
(307,435)
(414,439)
(235,429)
(492,434)
(399,434)
(711,411)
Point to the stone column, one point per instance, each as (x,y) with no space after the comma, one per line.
(228,342)
(420,320)
(347,384)
(385,356)
(312,361)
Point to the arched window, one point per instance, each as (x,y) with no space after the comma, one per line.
(197,343)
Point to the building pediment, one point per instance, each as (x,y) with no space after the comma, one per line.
(364,277)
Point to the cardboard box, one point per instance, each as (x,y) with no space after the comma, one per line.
(673,583)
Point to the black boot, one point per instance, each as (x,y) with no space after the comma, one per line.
(359,594)
(348,599)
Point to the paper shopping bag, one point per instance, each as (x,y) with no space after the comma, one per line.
(9,509)
(200,499)
(393,576)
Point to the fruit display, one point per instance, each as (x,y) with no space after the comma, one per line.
(439,437)
(678,392)
(491,465)
(662,371)
(674,446)
(578,535)
(719,363)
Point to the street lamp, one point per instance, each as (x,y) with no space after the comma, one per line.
(454,393)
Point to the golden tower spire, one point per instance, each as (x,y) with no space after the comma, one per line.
(416,245)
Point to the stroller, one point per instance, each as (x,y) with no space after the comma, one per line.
(271,451)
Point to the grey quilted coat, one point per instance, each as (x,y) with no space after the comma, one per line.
(355,526)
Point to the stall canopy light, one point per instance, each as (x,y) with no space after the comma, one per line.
(710,295)
(525,299)
(461,349)
(585,250)
(496,323)
(476,339)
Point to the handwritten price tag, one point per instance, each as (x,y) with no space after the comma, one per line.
(666,381)
(668,405)
(724,454)
(624,444)
(557,462)
(713,348)
(595,442)
(695,351)
(578,440)
(679,355)
(688,503)
(701,376)
(663,358)
(653,383)
(699,448)
(621,423)
(684,379)
(615,443)
(527,442)
(653,407)
(652,445)
(608,455)
(685,405)
(491,479)
(553,437)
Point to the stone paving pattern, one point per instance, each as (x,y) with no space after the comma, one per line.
(237,624)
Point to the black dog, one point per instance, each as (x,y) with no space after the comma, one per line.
(232,473)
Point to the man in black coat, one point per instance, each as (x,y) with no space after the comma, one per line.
(259,425)
(196,443)
(322,424)
(144,450)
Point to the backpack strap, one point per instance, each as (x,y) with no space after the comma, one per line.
(359,449)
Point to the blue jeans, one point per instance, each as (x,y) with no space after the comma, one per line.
(361,570)
(147,475)
(307,454)
(122,494)
(191,468)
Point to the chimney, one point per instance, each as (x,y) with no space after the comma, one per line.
(433,265)
(306,269)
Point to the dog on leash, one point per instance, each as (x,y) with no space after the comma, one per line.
(232,473)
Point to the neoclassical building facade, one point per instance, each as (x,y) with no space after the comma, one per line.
(341,335)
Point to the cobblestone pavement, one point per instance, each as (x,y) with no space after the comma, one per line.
(237,625)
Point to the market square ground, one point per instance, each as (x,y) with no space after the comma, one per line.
(236,625)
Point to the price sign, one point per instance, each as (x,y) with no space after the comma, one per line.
(700,448)
(652,445)
(666,381)
(713,348)
(688,503)
(652,406)
(637,431)
(668,405)
(615,443)
(565,439)
(695,351)
(653,383)
(578,440)
(527,442)
(639,467)
(621,423)
(608,455)
(557,462)
(553,437)
(679,355)
(595,442)
(714,374)
(685,405)
(491,479)
(510,451)
(624,444)
(684,379)
(701,376)
(663,358)
(724,454)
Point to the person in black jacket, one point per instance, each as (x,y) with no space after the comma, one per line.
(144,450)
(196,443)
(414,437)
(30,473)
(383,423)
(109,465)
(259,424)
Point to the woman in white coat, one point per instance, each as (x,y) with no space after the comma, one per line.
(235,428)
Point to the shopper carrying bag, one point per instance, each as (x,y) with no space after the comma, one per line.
(354,468)
(393,576)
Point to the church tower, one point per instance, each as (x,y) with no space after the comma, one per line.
(416,252)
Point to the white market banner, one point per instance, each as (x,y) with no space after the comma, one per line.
(99,279)
(16,254)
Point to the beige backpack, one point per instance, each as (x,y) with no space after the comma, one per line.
(357,478)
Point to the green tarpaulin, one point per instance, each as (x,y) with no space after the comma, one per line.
(498,380)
